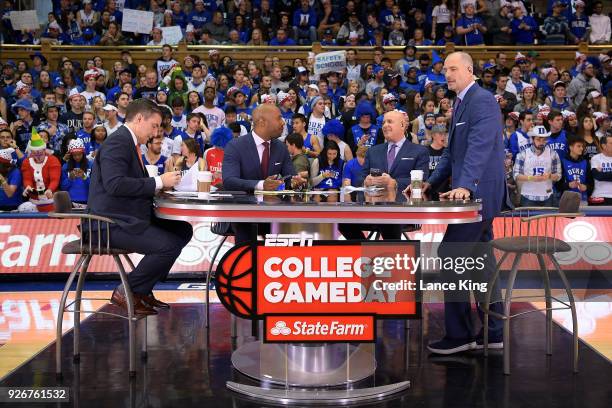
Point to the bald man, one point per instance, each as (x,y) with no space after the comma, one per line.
(474,159)
(258,161)
(395,158)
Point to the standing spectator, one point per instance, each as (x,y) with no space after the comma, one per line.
(556,27)
(91,78)
(98,137)
(576,172)
(41,174)
(156,37)
(558,100)
(523,28)
(334,131)
(113,36)
(470,27)
(586,131)
(149,90)
(57,130)
(76,172)
(441,17)
(436,148)
(520,139)
(166,62)
(365,132)
(74,117)
(295,146)
(214,115)
(583,82)
(213,157)
(537,168)
(305,24)
(22,126)
(601,168)
(198,16)
(112,123)
(557,139)
(600,25)
(87,16)
(515,85)
(85,134)
(10,180)
(579,23)
(330,19)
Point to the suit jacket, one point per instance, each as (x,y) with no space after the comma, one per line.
(119,188)
(410,157)
(475,154)
(242,168)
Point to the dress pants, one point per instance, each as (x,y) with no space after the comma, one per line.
(469,240)
(248,232)
(355,231)
(161,243)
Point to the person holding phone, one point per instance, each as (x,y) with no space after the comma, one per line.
(326,171)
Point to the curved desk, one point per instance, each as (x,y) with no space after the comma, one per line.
(319,365)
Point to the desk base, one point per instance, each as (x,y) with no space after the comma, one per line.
(318,365)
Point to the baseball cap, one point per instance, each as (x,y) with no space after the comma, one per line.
(429,115)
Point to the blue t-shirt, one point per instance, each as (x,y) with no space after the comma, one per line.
(14,179)
(358,133)
(161,163)
(473,37)
(579,25)
(86,138)
(575,171)
(352,170)
(77,188)
(559,144)
(334,182)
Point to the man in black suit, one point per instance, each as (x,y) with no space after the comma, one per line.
(258,161)
(396,159)
(121,190)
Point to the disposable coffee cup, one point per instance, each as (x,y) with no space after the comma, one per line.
(416,184)
(416,175)
(152,170)
(204,181)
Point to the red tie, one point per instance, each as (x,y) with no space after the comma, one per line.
(139,153)
(265,159)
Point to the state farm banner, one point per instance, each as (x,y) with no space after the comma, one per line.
(327,291)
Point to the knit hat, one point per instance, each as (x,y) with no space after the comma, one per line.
(91,73)
(282,97)
(333,127)
(76,145)
(221,136)
(389,98)
(36,142)
(514,116)
(567,114)
(314,101)
(519,57)
(6,156)
(267,98)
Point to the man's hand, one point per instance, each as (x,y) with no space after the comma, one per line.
(170,179)
(297,181)
(582,187)
(27,191)
(271,183)
(555,177)
(573,184)
(457,194)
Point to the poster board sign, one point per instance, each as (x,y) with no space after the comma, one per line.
(334,61)
(137,21)
(24,20)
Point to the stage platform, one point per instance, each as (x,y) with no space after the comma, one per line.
(188,368)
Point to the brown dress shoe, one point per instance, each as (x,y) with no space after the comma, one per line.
(141,309)
(154,302)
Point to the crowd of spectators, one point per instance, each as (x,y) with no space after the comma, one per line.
(53,120)
(302,22)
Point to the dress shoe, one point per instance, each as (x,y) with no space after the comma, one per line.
(154,302)
(141,309)
(451,346)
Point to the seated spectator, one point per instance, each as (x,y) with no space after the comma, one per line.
(353,25)
(470,27)
(10,180)
(41,173)
(113,36)
(89,37)
(156,37)
(217,28)
(576,171)
(199,17)
(282,38)
(190,155)
(352,172)
(601,168)
(537,168)
(305,24)
(213,156)
(326,172)
(600,25)
(295,145)
(556,27)
(76,172)
(334,131)
(87,16)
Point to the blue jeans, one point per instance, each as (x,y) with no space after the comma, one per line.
(525,202)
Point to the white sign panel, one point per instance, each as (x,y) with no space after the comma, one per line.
(334,61)
(24,20)
(172,35)
(136,21)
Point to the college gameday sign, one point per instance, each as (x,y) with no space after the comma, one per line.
(326,291)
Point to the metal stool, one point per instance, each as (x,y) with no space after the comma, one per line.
(540,245)
(86,249)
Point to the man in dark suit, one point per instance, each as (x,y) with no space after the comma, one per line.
(396,158)
(120,189)
(258,161)
(474,159)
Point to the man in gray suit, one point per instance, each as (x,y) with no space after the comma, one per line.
(258,161)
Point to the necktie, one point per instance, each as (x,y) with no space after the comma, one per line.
(456,105)
(391,156)
(265,159)
(139,153)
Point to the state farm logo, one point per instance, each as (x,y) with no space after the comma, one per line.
(320,328)
(280,328)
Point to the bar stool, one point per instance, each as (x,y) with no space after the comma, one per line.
(86,249)
(223,229)
(541,245)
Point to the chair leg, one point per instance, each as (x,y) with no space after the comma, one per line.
(76,354)
(547,294)
(507,304)
(234,326)
(60,316)
(487,303)
(208,278)
(143,350)
(570,297)
(131,316)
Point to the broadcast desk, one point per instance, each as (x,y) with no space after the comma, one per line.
(303,367)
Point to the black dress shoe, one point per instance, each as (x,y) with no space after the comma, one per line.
(154,302)
(141,309)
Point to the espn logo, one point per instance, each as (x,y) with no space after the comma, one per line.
(279,329)
(287,240)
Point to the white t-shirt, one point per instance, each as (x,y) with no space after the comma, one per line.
(315,125)
(536,166)
(109,129)
(602,188)
(214,116)
(90,95)
(442,14)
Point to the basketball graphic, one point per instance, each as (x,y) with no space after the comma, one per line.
(235,281)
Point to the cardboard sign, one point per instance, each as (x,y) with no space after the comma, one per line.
(334,61)
(136,21)
(172,35)
(24,20)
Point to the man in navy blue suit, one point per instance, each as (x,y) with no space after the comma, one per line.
(258,161)
(396,159)
(121,190)
(474,159)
